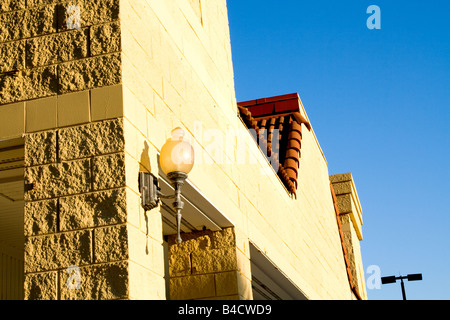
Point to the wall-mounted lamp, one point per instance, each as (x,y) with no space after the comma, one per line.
(176,160)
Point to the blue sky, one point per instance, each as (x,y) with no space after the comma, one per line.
(379,103)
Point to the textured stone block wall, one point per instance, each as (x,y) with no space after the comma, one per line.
(52,48)
(40,56)
(208,265)
(351,220)
(60,78)
(75,212)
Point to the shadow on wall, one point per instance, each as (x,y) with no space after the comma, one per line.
(144,166)
(144,162)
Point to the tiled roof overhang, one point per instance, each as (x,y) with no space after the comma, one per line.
(277,122)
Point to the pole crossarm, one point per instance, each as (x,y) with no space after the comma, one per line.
(409,277)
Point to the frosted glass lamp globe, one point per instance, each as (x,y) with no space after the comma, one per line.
(177,154)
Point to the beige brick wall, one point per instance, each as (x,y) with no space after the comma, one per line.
(96,104)
(177,71)
(51,77)
(208,265)
(351,219)
(40,57)
(46,62)
(74,214)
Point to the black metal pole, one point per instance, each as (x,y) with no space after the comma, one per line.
(403,288)
(393,279)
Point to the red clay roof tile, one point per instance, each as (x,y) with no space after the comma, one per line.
(291,163)
(295,135)
(280,113)
(292,153)
(294,144)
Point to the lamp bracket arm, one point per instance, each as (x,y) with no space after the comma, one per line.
(165,196)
